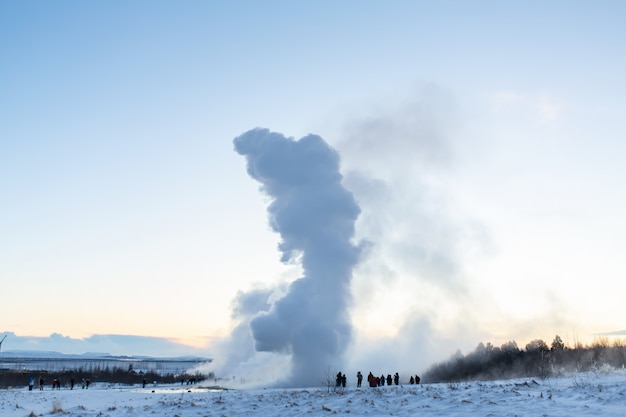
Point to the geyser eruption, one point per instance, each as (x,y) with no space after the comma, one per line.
(315,216)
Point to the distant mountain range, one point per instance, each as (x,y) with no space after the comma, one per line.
(45,354)
(102,345)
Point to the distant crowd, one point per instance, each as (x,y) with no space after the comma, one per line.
(375,381)
(84,383)
(56,383)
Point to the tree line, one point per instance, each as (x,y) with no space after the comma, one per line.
(537,359)
(12,378)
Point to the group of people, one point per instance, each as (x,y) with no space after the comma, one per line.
(56,383)
(379,381)
(341,380)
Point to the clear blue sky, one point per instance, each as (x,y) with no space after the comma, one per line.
(483,140)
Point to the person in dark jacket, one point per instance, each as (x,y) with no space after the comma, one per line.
(372,380)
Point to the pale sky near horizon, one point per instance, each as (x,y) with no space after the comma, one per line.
(484,142)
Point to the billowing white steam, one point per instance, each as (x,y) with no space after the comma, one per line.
(315,216)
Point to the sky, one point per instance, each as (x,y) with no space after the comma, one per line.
(482,141)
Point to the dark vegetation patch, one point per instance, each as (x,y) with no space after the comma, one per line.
(13,378)
(538,359)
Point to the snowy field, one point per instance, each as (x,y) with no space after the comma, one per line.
(589,394)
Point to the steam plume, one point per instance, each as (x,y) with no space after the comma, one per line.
(315,216)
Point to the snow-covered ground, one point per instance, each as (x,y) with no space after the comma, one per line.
(589,394)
